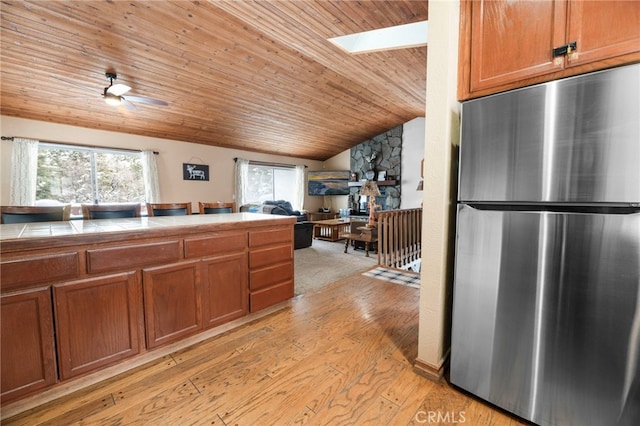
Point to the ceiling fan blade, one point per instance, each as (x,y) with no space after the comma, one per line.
(144,100)
(128,105)
(118,89)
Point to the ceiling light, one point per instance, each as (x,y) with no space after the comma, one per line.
(112,99)
(398,37)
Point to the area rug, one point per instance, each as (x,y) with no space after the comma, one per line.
(395,276)
(326,262)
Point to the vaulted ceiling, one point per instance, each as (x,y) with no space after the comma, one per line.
(252,75)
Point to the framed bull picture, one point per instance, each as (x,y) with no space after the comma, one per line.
(195,171)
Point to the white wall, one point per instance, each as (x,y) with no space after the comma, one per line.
(220,160)
(171,156)
(413,134)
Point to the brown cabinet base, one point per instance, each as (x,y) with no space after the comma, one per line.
(96,322)
(270,267)
(225,294)
(119,295)
(26,343)
(270,296)
(172,302)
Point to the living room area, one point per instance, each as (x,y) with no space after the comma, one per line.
(392,160)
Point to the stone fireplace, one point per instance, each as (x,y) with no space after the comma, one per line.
(370,159)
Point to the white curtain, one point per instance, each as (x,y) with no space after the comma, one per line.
(242,175)
(24,172)
(150,176)
(298,202)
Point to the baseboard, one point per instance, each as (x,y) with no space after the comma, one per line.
(430,371)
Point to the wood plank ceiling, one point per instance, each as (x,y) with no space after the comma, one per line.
(252,75)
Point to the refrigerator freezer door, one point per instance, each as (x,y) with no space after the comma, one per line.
(546,318)
(569,141)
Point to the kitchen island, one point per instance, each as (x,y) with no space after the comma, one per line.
(80,296)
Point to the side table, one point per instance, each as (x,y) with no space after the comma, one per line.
(364,234)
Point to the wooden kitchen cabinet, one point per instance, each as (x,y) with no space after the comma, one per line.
(172,302)
(96,322)
(26,342)
(270,267)
(509,44)
(78,299)
(603,30)
(184,298)
(225,288)
(224,275)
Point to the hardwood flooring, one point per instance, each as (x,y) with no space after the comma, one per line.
(340,356)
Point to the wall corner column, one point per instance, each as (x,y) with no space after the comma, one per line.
(439,195)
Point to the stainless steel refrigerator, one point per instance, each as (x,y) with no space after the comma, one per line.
(546,313)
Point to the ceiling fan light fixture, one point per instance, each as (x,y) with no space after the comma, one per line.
(112,99)
(113,95)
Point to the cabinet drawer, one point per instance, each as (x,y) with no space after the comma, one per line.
(17,273)
(214,245)
(270,296)
(268,277)
(270,237)
(264,257)
(121,258)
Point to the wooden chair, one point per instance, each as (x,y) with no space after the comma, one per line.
(24,214)
(110,211)
(168,209)
(215,208)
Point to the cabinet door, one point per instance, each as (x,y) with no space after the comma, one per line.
(26,343)
(603,30)
(514,40)
(96,322)
(172,302)
(225,284)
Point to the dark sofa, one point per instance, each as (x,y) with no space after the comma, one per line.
(284,208)
(280,207)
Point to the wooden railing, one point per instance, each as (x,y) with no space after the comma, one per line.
(399,237)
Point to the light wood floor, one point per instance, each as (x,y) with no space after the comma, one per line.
(340,356)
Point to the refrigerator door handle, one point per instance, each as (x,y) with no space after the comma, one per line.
(622,208)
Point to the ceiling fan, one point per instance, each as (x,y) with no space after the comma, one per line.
(113,95)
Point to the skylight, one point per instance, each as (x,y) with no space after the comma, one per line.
(398,37)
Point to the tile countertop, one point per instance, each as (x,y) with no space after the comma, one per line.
(160,225)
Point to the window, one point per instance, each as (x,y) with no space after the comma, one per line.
(70,174)
(269,183)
